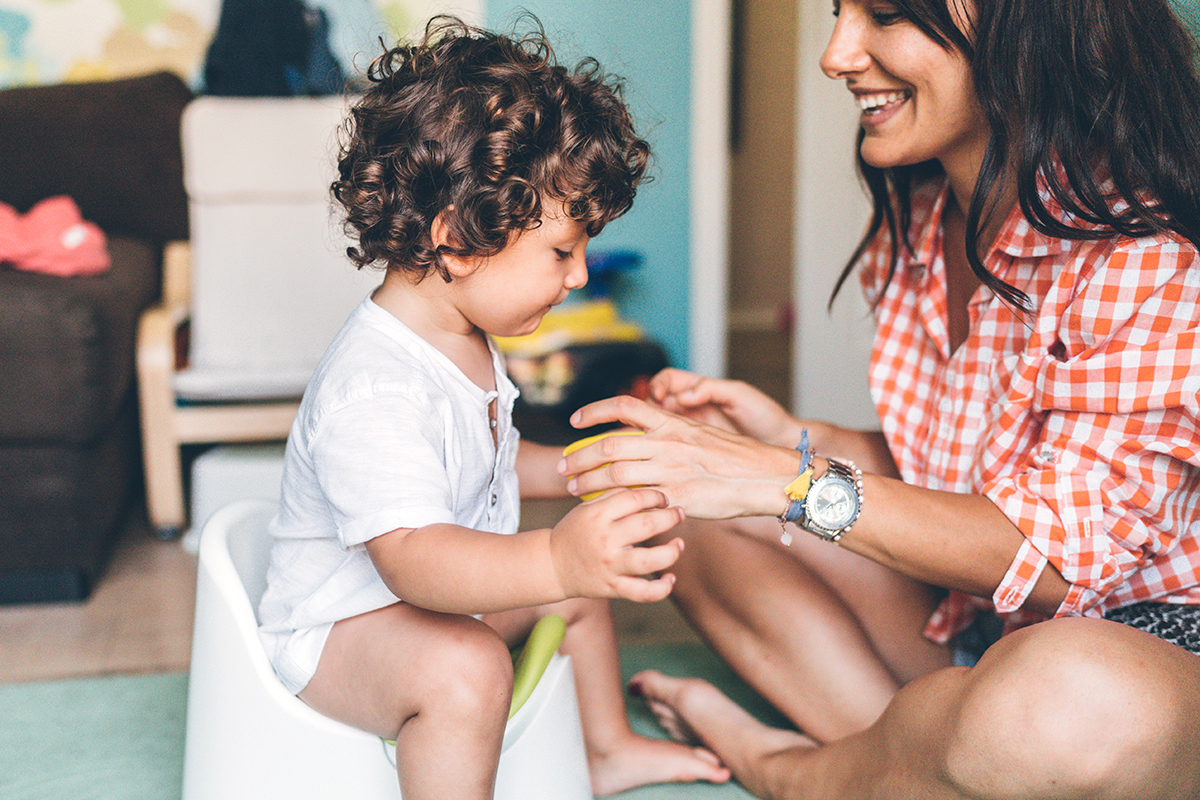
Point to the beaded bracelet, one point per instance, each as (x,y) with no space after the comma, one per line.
(797,490)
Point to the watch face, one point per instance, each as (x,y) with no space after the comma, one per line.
(833,506)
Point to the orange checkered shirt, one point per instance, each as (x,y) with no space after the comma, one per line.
(1079,421)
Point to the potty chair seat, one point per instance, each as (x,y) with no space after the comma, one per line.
(248,737)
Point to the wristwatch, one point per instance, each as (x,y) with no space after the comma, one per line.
(834,501)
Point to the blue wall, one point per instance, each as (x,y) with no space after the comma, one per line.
(1189,12)
(652,52)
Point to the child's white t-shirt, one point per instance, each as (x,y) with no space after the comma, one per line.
(390,434)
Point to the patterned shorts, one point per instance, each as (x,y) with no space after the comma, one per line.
(1171,622)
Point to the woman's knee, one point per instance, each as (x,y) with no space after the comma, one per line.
(1070,704)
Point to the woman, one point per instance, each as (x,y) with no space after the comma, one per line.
(1032,266)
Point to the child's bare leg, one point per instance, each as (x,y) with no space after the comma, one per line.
(618,758)
(436,683)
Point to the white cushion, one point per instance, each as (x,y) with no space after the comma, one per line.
(271,284)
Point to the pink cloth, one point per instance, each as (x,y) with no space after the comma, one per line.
(52,238)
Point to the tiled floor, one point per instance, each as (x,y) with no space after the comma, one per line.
(139,619)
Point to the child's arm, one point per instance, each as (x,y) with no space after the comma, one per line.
(537,471)
(592,552)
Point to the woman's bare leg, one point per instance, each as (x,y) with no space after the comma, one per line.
(1071,708)
(825,636)
(694,711)
(436,683)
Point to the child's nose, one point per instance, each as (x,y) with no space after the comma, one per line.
(577,276)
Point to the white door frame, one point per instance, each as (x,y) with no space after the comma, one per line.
(709,171)
(830,351)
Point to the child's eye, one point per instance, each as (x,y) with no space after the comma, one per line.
(563,255)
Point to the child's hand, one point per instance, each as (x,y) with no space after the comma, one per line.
(594,550)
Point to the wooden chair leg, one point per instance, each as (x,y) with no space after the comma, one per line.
(164,489)
(160,441)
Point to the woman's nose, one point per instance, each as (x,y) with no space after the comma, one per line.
(846,55)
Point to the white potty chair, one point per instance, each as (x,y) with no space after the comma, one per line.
(248,737)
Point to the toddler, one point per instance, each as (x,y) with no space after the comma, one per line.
(475,170)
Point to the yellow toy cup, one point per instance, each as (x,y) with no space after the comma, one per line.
(582,443)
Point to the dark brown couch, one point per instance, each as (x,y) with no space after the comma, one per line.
(69,440)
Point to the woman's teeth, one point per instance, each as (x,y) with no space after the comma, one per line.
(871,102)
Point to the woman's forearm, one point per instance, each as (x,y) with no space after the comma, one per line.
(956,541)
(868,449)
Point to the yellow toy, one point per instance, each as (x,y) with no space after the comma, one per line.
(582,443)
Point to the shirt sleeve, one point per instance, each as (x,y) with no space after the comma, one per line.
(381,466)
(1111,484)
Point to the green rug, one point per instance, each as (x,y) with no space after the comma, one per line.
(121,738)
(115,738)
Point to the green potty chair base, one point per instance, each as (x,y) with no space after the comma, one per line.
(534,657)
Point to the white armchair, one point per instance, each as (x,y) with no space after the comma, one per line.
(252,300)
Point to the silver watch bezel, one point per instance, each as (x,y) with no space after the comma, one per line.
(841,474)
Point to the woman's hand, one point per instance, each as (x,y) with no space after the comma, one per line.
(594,547)
(734,406)
(709,471)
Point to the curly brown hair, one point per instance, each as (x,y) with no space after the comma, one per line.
(488,128)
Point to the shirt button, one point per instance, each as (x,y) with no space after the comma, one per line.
(494,499)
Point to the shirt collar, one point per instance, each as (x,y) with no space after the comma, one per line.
(1017,238)
(924,252)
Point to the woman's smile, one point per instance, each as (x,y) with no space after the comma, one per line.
(878,107)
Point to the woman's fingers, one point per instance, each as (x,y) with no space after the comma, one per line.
(671,382)
(629,410)
(613,474)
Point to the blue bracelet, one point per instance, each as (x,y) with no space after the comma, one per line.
(795,508)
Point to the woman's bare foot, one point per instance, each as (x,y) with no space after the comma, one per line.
(695,712)
(639,760)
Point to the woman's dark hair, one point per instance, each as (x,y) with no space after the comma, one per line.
(1100,88)
(483,129)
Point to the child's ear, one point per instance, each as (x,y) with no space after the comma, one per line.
(439,232)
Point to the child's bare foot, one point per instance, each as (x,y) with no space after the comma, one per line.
(697,713)
(639,760)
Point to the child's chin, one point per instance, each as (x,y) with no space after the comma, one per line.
(530,326)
